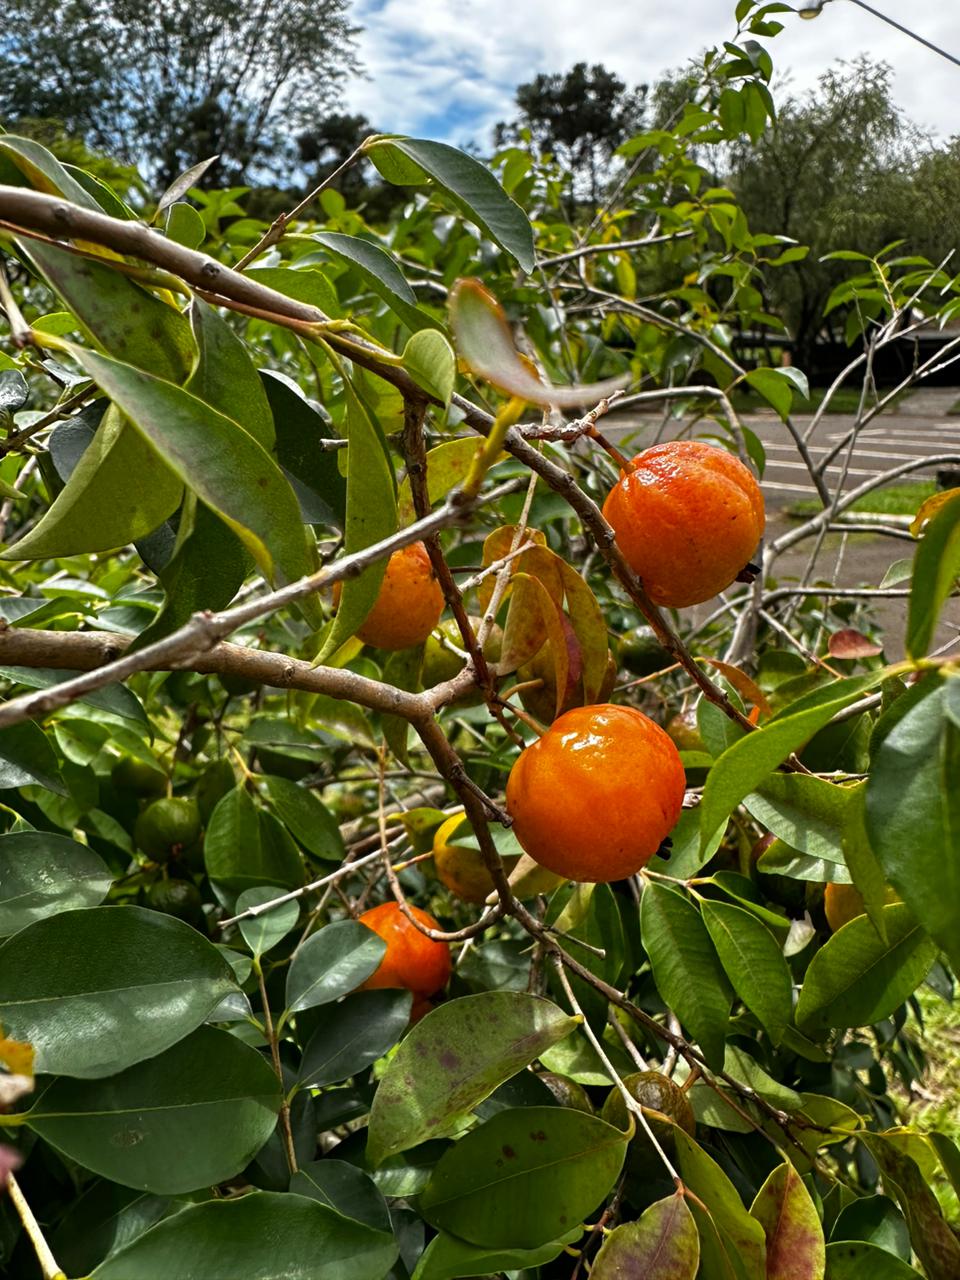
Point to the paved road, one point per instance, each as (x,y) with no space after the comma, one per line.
(920,427)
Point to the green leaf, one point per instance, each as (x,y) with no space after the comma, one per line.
(245,847)
(934,1243)
(685,967)
(344,1188)
(847,1260)
(949,1154)
(751,760)
(379,272)
(686,856)
(662,1245)
(936,566)
(447,466)
(470,185)
(226,378)
(454,1058)
(806,812)
(260,1236)
(753,961)
(42,874)
(875,1220)
(307,818)
(312,470)
(795,1245)
(184,225)
(116,700)
(97,990)
(429,359)
(121,319)
(862,863)
(774,387)
(731,1242)
(353,1034)
(188,1118)
(26,757)
(522,1178)
(261,933)
(447,1258)
(217,459)
(913,805)
(856,978)
(43,171)
(332,963)
(120,490)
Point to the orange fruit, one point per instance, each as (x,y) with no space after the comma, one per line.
(595,797)
(413,960)
(460,866)
(688,517)
(409,604)
(844,902)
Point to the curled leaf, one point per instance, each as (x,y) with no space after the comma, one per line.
(852,644)
(485,345)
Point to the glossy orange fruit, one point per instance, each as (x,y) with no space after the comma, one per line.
(594,798)
(409,604)
(688,518)
(413,960)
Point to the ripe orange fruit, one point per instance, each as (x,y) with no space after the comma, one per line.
(688,517)
(413,960)
(594,798)
(409,604)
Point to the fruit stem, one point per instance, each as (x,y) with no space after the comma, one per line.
(622,461)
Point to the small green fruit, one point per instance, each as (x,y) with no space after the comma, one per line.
(567,1092)
(664,1105)
(139,777)
(180,898)
(168,828)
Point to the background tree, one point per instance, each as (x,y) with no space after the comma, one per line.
(166,84)
(581,116)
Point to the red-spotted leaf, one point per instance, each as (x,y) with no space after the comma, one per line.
(796,1249)
(662,1245)
(485,345)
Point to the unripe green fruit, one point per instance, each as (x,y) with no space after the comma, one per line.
(567,1092)
(180,898)
(168,828)
(215,781)
(139,777)
(664,1105)
(237,686)
(440,663)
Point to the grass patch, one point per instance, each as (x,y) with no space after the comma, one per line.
(954,410)
(936,1107)
(843,400)
(893,500)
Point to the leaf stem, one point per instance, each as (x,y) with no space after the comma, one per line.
(48,1264)
(285,1126)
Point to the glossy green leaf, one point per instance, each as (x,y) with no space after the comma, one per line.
(485,345)
(379,273)
(949,1154)
(448,1258)
(847,1260)
(101,1219)
(312,470)
(796,1248)
(913,805)
(97,990)
(752,759)
(454,1058)
(804,811)
(307,818)
(120,490)
(774,388)
(116,699)
(430,361)
(353,1034)
(262,932)
(732,1243)
(225,376)
(781,859)
(737,1062)
(935,1245)
(856,978)
(663,1244)
(371,516)
(344,1188)
(874,1220)
(524,1177)
(221,463)
(862,863)
(686,855)
(124,321)
(686,967)
(43,171)
(332,963)
(469,184)
(753,961)
(936,566)
(184,225)
(188,1118)
(42,873)
(245,847)
(261,1236)
(26,757)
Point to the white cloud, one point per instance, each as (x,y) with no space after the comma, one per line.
(448,68)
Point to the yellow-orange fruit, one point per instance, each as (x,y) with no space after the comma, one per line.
(461,867)
(594,798)
(409,604)
(844,902)
(688,517)
(413,960)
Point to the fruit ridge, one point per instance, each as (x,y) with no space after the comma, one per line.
(409,603)
(595,797)
(412,960)
(687,517)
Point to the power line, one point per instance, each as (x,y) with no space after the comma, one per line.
(814,8)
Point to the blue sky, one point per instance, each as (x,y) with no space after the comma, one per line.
(447,69)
